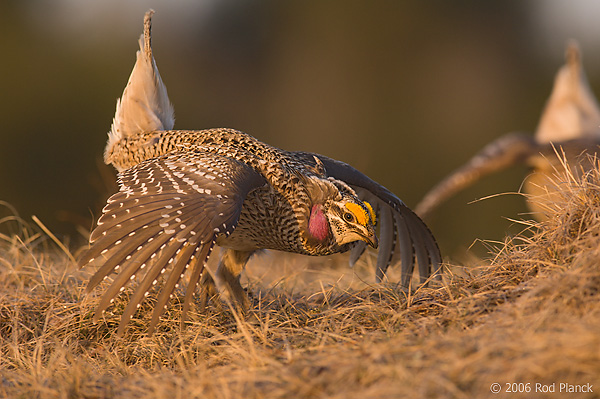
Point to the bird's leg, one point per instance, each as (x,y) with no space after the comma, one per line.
(208,290)
(228,276)
(229,272)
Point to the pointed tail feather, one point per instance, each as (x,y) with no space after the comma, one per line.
(145,105)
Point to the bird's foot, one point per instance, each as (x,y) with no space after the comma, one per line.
(239,296)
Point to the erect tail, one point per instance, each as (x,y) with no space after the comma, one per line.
(572,111)
(145,105)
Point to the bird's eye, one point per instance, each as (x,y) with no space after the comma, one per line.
(348,217)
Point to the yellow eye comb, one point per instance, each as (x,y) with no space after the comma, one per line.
(371,213)
(363,216)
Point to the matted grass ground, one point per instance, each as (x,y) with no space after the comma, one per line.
(530,315)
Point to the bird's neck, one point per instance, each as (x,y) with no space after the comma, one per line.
(318,227)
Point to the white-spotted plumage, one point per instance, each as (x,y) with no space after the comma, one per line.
(184,192)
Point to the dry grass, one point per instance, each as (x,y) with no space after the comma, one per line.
(317,330)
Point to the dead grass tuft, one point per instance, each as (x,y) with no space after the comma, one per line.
(531,315)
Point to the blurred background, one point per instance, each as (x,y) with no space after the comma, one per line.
(404,91)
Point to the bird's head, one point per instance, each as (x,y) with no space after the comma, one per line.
(348,219)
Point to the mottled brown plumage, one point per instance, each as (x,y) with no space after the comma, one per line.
(185,192)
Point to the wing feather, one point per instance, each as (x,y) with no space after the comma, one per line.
(410,234)
(129,271)
(386,240)
(199,263)
(405,249)
(167,216)
(167,257)
(182,264)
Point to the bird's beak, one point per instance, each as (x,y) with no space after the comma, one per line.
(371,240)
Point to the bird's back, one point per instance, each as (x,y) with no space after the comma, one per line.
(273,215)
(184,191)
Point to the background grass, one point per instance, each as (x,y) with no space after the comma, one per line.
(528,314)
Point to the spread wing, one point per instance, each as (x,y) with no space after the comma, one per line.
(506,151)
(402,234)
(166,217)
